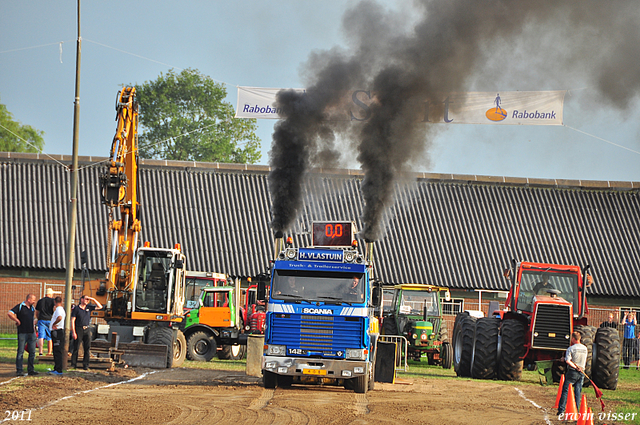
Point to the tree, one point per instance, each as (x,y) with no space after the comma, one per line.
(15,137)
(184,117)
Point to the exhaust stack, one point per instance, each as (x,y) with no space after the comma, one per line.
(278,244)
(368,246)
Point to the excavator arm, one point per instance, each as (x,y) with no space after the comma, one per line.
(120,191)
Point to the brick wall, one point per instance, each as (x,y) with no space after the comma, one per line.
(14,290)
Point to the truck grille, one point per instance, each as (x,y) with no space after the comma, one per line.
(552,323)
(318,335)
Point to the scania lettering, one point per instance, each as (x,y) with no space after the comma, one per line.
(320,324)
(317,311)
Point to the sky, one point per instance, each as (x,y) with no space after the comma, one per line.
(265,44)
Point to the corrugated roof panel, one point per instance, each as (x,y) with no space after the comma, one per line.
(455,234)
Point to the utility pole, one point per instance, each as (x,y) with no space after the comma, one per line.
(73,211)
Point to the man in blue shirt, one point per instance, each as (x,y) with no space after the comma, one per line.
(24,316)
(629,336)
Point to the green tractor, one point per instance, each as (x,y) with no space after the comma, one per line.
(416,314)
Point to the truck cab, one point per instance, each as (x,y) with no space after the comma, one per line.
(320,322)
(216,322)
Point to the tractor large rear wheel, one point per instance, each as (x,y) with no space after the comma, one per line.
(587,335)
(463,333)
(606,358)
(510,362)
(484,360)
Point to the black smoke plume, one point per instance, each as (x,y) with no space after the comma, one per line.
(453,45)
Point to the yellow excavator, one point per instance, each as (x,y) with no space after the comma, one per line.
(144,287)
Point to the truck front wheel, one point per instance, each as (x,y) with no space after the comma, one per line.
(361,383)
(202,346)
(269,379)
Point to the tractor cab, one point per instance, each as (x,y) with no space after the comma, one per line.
(416,314)
(538,283)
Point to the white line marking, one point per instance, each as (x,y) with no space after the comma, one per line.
(6,382)
(546,417)
(93,389)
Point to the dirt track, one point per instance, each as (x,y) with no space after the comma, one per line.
(193,396)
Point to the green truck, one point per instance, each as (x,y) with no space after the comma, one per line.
(216,322)
(416,314)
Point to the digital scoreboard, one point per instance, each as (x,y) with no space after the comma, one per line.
(333,233)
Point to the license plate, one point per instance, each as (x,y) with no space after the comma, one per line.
(297,351)
(314,372)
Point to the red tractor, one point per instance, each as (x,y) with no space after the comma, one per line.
(546,303)
(254,312)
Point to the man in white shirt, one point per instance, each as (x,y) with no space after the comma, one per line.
(576,359)
(57,335)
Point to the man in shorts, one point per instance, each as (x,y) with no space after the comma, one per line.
(44,311)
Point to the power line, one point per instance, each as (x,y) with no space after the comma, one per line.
(36,47)
(600,138)
(32,145)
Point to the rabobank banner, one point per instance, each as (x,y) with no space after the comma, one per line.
(512,107)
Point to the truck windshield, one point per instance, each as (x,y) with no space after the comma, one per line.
(327,287)
(537,282)
(193,288)
(413,303)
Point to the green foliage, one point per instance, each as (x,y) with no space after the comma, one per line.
(189,102)
(14,142)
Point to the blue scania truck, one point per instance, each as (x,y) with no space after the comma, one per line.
(321,316)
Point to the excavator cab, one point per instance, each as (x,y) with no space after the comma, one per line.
(158,272)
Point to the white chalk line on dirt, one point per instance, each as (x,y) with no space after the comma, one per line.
(6,382)
(546,417)
(144,375)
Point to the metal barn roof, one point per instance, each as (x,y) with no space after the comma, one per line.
(455,231)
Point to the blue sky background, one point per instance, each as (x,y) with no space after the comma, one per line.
(259,43)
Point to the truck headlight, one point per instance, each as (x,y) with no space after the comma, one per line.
(348,256)
(291,254)
(276,350)
(355,353)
